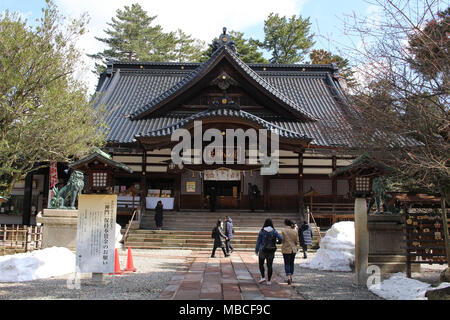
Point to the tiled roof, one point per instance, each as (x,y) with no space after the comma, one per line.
(311,89)
(102,157)
(204,68)
(225,113)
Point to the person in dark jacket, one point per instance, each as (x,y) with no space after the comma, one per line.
(252,195)
(229,233)
(264,251)
(305,235)
(212,192)
(159,215)
(219,239)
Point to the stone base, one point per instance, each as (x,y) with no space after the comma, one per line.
(445,275)
(386,249)
(59,228)
(392,263)
(438,294)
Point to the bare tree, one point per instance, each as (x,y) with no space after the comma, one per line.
(400,108)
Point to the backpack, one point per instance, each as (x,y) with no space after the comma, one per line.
(269,245)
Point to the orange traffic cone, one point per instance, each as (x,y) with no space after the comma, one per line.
(130,266)
(117,269)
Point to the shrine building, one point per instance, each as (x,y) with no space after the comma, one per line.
(303,104)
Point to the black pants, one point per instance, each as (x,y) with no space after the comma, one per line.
(158,221)
(252,204)
(228,245)
(215,248)
(269,257)
(212,205)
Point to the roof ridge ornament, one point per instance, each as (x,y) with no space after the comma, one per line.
(224,40)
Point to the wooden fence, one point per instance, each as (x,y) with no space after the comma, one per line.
(18,239)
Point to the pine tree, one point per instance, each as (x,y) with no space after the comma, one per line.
(187,49)
(325,57)
(131,37)
(288,40)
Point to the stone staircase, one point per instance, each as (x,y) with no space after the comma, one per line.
(192,230)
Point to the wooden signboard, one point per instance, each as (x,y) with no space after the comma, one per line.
(96,233)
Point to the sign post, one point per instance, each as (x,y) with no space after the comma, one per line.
(96,235)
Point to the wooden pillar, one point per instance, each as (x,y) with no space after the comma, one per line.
(143,184)
(28,193)
(177,191)
(46,188)
(334,187)
(334,179)
(301,198)
(266,193)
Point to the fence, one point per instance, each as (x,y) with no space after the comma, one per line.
(18,239)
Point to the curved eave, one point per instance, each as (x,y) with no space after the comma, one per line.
(224,114)
(77,165)
(251,76)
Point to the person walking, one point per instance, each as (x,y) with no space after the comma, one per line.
(289,248)
(265,248)
(305,235)
(229,231)
(219,239)
(159,215)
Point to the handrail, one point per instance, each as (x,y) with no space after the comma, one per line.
(130,223)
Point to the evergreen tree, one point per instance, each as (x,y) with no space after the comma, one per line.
(45,114)
(247,49)
(289,40)
(131,37)
(325,57)
(187,49)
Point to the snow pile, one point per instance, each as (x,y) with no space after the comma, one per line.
(399,287)
(118,236)
(39,264)
(337,249)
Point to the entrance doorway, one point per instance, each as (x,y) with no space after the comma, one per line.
(228,193)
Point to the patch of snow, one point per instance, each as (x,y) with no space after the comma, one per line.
(337,249)
(118,236)
(39,264)
(399,287)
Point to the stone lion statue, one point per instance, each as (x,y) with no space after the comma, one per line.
(66,197)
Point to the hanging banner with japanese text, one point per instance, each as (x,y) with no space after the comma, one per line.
(222,175)
(96,233)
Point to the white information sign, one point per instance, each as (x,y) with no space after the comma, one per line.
(96,233)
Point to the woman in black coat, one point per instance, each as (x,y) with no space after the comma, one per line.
(219,239)
(159,215)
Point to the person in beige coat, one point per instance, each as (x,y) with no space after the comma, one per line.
(289,248)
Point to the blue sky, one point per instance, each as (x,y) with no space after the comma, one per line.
(204,19)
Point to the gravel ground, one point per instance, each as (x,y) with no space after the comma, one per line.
(322,285)
(155,269)
(326,285)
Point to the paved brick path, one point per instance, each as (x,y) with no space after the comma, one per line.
(232,278)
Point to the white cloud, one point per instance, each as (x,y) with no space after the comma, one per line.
(203,19)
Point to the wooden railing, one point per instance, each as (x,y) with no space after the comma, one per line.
(138,210)
(19,239)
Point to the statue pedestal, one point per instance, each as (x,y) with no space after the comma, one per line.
(385,247)
(59,228)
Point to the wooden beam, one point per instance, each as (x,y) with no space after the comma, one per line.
(301,197)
